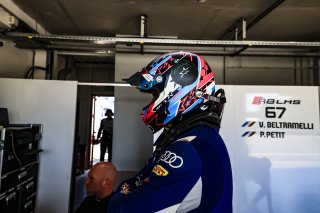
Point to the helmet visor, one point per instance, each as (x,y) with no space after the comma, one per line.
(136,79)
(146,82)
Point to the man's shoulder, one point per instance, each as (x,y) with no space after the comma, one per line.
(88,199)
(85,204)
(203,132)
(90,203)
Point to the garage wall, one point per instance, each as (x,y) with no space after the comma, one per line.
(14,62)
(267,71)
(132,140)
(228,70)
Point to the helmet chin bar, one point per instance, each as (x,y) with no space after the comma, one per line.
(209,114)
(150,127)
(157,134)
(218,100)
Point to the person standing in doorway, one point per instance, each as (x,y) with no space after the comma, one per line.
(106,128)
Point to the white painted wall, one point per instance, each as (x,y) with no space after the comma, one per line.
(52,104)
(132,140)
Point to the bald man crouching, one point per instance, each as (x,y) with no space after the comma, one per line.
(99,186)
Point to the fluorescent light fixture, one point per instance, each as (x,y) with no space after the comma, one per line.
(103,41)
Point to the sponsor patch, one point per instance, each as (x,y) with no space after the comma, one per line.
(160,171)
(175,161)
(148,77)
(125,189)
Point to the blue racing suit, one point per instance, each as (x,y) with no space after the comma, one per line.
(192,174)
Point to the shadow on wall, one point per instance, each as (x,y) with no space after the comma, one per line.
(260,175)
(254,171)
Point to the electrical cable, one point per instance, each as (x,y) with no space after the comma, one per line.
(13,149)
(30,72)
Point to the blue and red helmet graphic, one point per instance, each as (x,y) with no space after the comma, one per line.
(179,82)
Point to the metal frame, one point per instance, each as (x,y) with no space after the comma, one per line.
(109,46)
(139,40)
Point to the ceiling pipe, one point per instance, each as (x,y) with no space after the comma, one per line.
(143,29)
(233,28)
(144,26)
(242,21)
(264,14)
(254,22)
(240,51)
(244,28)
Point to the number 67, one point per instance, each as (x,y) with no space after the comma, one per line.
(271,112)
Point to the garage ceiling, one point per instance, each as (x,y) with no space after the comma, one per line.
(291,20)
(103,27)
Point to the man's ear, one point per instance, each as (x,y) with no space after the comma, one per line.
(106,182)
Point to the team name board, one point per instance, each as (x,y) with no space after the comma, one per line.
(272,133)
(277,112)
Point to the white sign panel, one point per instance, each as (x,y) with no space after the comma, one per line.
(281,112)
(276,142)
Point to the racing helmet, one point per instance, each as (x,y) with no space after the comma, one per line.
(179,82)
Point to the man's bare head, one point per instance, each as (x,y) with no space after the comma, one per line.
(101,179)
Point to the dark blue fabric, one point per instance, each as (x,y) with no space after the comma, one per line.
(169,176)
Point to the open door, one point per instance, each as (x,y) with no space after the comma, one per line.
(99,106)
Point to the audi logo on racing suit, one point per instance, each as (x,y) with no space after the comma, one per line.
(172,159)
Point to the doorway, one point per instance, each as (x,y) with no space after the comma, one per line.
(99,106)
